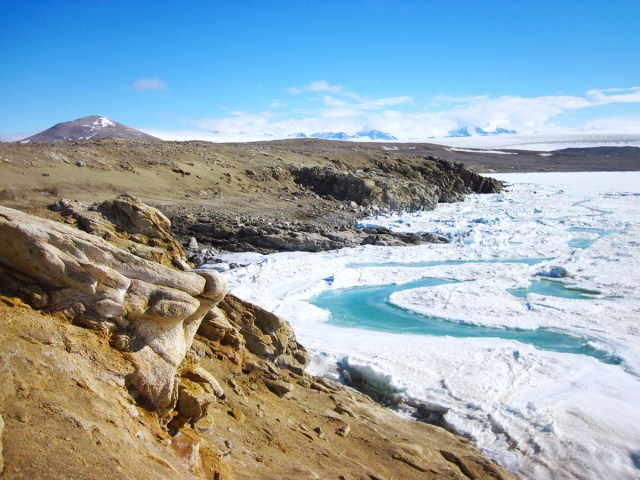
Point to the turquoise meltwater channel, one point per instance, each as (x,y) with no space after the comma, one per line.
(369,308)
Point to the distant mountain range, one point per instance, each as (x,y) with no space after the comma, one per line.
(88,128)
(362,135)
(480,132)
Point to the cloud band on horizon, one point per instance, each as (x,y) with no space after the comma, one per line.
(321,107)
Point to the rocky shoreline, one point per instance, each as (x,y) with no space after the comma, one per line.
(345,197)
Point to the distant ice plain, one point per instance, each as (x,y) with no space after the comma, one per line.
(543,414)
(540,142)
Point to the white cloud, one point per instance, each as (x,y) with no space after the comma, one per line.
(341,112)
(614,95)
(316,86)
(145,84)
(326,107)
(331,101)
(513,112)
(387,102)
(239,122)
(620,125)
(323,86)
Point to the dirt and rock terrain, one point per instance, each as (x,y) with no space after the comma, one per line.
(303,194)
(294,195)
(118,361)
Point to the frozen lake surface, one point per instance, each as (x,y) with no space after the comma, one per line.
(536,307)
(372,308)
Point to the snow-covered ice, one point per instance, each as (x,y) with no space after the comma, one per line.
(543,414)
(541,142)
(469,150)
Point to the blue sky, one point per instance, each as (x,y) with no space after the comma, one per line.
(412,68)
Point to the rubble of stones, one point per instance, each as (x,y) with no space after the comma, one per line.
(256,235)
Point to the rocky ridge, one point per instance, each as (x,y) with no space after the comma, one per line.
(180,379)
(350,195)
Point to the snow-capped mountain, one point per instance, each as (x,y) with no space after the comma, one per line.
(88,128)
(473,131)
(361,135)
(499,130)
(375,135)
(331,135)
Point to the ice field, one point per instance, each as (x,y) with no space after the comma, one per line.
(525,328)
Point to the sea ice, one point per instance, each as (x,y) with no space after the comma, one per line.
(540,413)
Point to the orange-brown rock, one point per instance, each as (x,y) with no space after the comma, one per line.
(160,309)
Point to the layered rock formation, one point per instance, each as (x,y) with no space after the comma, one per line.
(396,185)
(154,310)
(254,234)
(369,188)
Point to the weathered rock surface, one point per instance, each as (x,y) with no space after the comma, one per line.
(87,277)
(369,188)
(130,224)
(265,334)
(397,185)
(67,415)
(251,234)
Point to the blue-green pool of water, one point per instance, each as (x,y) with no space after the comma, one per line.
(369,308)
(587,242)
(553,288)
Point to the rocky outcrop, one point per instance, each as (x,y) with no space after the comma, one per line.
(67,415)
(344,196)
(396,185)
(369,188)
(246,235)
(265,335)
(152,312)
(130,224)
(464,180)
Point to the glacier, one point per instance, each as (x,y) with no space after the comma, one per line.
(544,414)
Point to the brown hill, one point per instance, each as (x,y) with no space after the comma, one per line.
(93,127)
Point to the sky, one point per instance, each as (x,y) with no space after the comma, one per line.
(415,69)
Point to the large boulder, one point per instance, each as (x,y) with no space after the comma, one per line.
(152,310)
